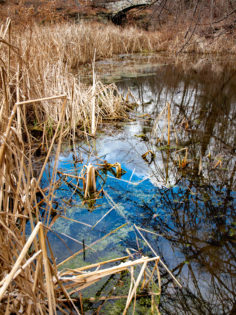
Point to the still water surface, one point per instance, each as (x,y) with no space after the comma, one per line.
(189,209)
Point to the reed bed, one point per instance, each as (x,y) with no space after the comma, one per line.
(42,102)
(30,281)
(74,44)
(33,71)
(53,67)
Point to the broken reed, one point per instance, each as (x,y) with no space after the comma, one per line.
(88,175)
(90,181)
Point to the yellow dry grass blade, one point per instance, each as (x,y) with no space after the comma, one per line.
(48,275)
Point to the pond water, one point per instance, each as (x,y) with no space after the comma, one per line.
(182,196)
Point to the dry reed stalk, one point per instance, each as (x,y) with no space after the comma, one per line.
(68,298)
(90,181)
(128,181)
(219,162)
(168,106)
(134,289)
(93,126)
(81,278)
(99,264)
(5,107)
(54,172)
(10,276)
(69,175)
(102,217)
(18,100)
(5,28)
(9,51)
(175,132)
(76,221)
(200,166)
(48,276)
(28,262)
(118,170)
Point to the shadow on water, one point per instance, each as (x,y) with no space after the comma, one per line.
(187,210)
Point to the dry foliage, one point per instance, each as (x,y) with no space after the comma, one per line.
(42,97)
(32,71)
(29,281)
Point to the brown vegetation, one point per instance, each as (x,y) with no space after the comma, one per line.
(40,93)
(43,101)
(194,26)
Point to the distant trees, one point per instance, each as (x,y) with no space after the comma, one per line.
(209,12)
(213,10)
(210,19)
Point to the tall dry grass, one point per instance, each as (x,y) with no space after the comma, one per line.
(30,280)
(69,45)
(40,93)
(42,101)
(45,61)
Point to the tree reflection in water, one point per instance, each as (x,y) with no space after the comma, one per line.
(190,210)
(199,220)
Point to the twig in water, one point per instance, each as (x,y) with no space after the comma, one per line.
(83,250)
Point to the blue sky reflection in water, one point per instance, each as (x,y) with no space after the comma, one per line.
(189,210)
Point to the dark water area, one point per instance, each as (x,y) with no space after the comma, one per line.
(183,202)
